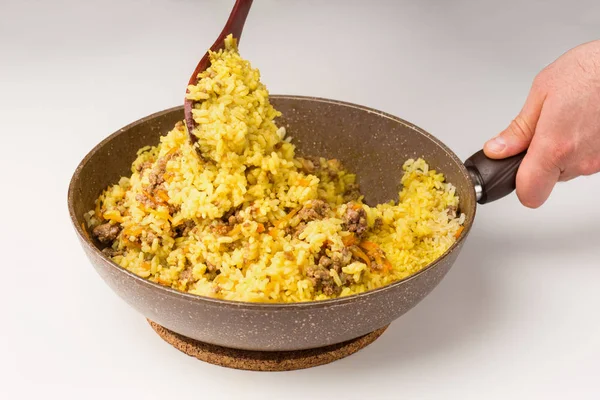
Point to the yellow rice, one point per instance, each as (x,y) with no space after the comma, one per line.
(173,212)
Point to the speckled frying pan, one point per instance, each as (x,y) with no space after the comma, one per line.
(370,143)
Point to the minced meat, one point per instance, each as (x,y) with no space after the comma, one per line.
(106,233)
(314,210)
(355,219)
(321,280)
(352,192)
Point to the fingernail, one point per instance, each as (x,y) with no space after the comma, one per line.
(497,144)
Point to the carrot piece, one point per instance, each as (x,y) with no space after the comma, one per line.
(349,240)
(458,232)
(286,217)
(378,259)
(163,282)
(291,214)
(163,195)
(370,247)
(361,254)
(170,153)
(113,215)
(167,176)
(261,228)
(373,250)
(303,182)
(149,196)
(387,266)
(132,231)
(129,243)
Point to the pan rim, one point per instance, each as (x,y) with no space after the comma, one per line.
(256,305)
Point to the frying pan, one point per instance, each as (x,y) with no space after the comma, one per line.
(372,144)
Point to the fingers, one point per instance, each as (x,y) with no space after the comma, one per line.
(544,162)
(536,179)
(517,136)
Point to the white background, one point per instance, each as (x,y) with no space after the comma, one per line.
(517,317)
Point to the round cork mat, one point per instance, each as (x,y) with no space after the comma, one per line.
(264,360)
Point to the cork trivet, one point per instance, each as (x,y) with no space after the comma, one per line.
(264,360)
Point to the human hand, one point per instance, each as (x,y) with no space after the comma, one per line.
(559,125)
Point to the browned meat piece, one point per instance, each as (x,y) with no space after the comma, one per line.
(151,203)
(184,228)
(110,252)
(355,219)
(186,274)
(221,229)
(211,271)
(314,209)
(325,262)
(317,275)
(150,236)
(235,219)
(106,233)
(146,201)
(376,267)
(297,230)
(347,279)
(186,277)
(340,260)
(452,210)
(352,192)
(156,176)
(233,216)
(377,224)
(143,166)
(211,267)
(322,281)
(330,288)
(377,257)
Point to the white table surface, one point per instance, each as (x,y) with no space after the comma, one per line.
(517,317)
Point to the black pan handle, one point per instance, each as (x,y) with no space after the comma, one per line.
(493,179)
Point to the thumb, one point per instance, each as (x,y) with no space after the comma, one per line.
(518,135)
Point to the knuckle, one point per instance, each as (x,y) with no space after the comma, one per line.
(520,129)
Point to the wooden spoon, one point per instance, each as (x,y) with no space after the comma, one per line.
(234,26)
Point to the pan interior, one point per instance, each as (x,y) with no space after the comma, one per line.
(369,143)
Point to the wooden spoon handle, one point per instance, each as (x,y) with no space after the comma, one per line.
(234,26)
